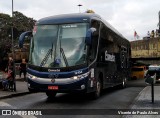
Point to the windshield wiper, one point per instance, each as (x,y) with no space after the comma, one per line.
(45,59)
(58,61)
(63,54)
(64,57)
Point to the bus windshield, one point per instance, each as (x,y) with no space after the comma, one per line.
(58,45)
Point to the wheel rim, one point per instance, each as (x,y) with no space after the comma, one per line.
(124,82)
(98,88)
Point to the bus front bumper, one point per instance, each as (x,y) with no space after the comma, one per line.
(58,85)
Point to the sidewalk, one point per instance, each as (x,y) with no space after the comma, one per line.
(21,89)
(143,106)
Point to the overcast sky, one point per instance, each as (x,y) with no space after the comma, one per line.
(125,15)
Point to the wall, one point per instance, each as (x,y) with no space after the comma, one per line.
(146,48)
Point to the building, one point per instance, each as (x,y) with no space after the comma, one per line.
(146,51)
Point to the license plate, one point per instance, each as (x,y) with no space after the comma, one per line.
(52,87)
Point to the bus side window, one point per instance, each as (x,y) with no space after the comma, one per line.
(123,55)
(107,44)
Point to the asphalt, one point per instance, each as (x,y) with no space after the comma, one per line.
(141,104)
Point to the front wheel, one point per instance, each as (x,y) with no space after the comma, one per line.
(97,93)
(51,94)
(124,83)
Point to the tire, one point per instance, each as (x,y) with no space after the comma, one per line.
(51,94)
(97,93)
(124,83)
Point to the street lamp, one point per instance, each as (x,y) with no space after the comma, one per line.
(159,19)
(79,7)
(12,31)
(13,51)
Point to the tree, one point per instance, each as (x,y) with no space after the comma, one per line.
(20,24)
(4,25)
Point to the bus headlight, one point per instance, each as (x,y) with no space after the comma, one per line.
(75,77)
(31,76)
(80,76)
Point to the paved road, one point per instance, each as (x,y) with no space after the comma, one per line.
(112,98)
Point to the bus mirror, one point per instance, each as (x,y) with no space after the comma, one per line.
(89,35)
(23,37)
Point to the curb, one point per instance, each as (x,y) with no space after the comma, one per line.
(136,99)
(15,95)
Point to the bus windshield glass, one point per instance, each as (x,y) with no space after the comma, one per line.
(58,45)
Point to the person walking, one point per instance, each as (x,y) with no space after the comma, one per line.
(23,68)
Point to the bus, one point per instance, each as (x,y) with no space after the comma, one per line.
(138,72)
(76,53)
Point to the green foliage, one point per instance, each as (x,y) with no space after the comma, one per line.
(19,22)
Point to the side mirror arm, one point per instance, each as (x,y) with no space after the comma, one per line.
(22,38)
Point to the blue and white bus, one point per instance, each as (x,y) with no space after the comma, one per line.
(76,53)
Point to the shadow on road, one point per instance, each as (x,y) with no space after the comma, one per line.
(139,83)
(82,98)
(77,98)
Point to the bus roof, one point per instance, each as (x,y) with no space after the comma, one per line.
(154,67)
(75,18)
(69,18)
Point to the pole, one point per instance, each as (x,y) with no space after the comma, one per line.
(14,80)
(148,46)
(12,30)
(159,20)
(79,7)
(152,91)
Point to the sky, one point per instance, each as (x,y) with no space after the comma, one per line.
(127,16)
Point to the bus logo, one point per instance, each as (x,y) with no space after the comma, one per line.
(52,80)
(53,70)
(109,57)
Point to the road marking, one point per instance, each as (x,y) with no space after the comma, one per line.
(4,104)
(28,117)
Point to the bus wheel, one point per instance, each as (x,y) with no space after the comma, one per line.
(51,94)
(124,83)
(97,93)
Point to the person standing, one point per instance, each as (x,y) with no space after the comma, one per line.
(157,33)
(148,34)
(23,68)
(11,71)
(152,34)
